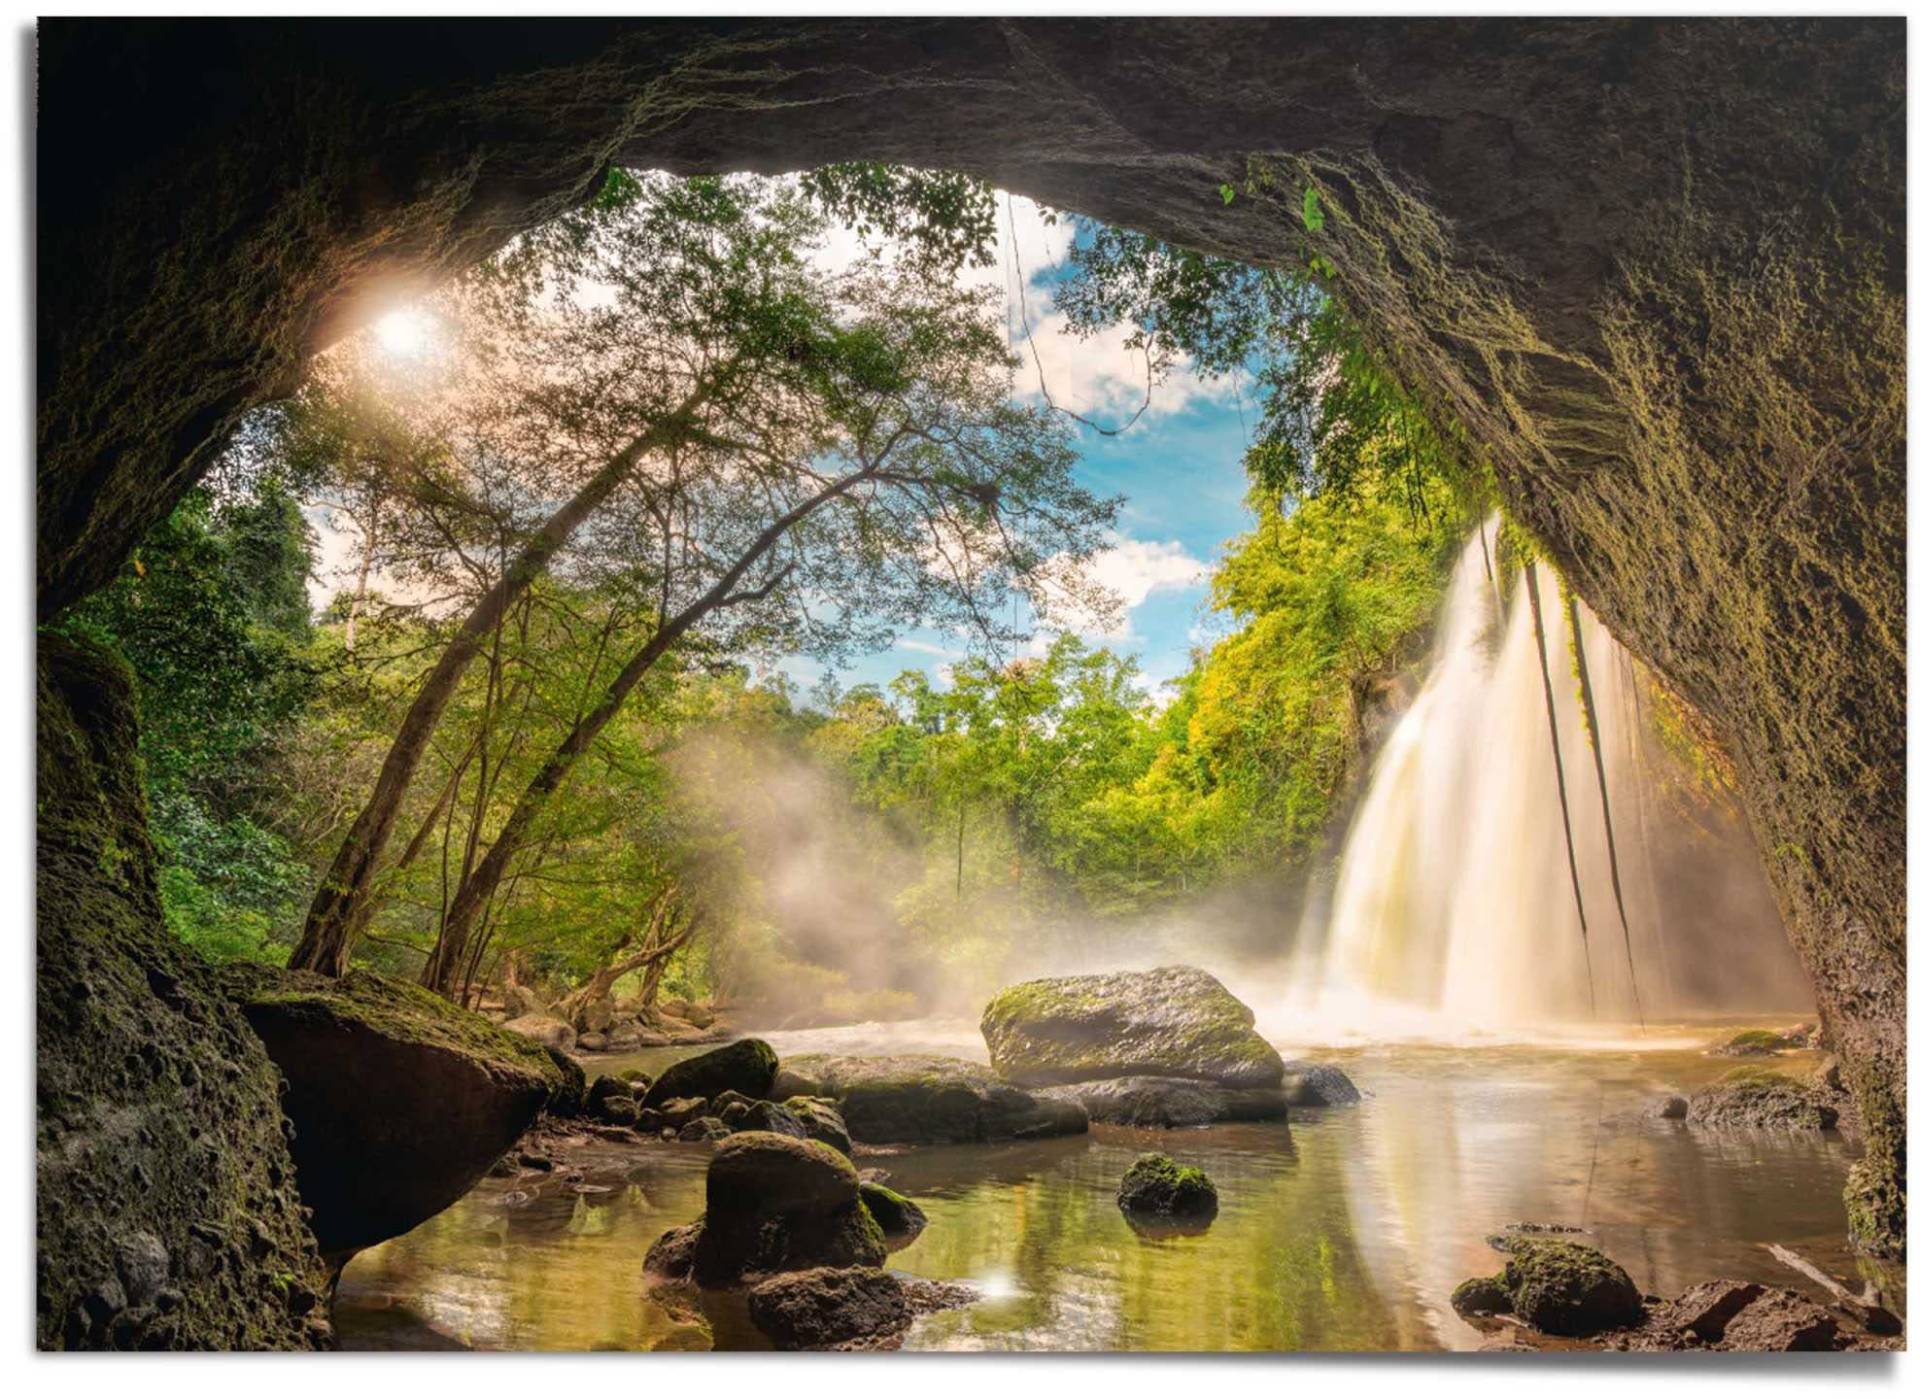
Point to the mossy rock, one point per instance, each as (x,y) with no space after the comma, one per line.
(746,1067)
(820,1120)
(1481,1297)
(1567,1289)
(898,1217)
(369,1059)
(1760,1100)
(1156,1184)
(1752,1044)
(165,1207)
(777,1203)
(1171,1022)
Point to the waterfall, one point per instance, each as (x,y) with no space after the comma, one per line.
(1453,897)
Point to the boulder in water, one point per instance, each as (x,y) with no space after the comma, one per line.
(1170,1102)
(928,1099)
(1156,1184)
(1319,1086)
(1761,1100)
(776,1204)
(1171,1022)
(1565,1289)
(745,1066)
(821,1120)
(400,1100)
(898,1217)
(1753,1044)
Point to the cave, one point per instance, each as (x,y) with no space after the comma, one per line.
(1654,268)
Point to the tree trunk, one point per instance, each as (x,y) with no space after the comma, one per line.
(478,889)
(1560,772)
(327,940)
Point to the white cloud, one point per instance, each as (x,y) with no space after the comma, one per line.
(1129,570)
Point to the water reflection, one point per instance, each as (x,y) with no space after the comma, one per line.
(1344,1230)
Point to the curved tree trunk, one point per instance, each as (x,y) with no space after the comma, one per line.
(331,920)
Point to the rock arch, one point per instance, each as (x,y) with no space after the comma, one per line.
(1655,267)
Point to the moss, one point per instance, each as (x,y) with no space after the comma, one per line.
(1157,1184)
(1481,1297)
(1167,1022)
(166,1210)
(1568,1289)
(396,1010)
(1754,1042)
(897,1216)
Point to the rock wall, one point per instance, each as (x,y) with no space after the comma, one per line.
(1655,268)
(165,1200)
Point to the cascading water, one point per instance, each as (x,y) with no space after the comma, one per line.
(1454,898)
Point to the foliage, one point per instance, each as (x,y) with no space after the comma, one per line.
(211,615)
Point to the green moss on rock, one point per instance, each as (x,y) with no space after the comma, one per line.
(746,1067)
(368,1059)
(165,1203)
(1567,1289)
(1156,1184)
(1171,1022)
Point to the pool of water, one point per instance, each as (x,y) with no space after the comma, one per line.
(1344,1229)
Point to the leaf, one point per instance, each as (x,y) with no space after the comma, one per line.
(1226,194)
(1310,212)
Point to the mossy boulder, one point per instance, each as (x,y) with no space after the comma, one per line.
(165,1207)
(928,1099)
(1155,1184)
(1761,1100)
(898,1217)
(820,1120)
(400,1099)
(777,1203)
(746,1067)
(1171,1022)
(1753,1044)
(1170,1102)
(1567,1289)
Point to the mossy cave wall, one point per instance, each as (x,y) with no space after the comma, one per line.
(1655,268)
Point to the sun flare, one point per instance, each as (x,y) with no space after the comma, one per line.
(406,334)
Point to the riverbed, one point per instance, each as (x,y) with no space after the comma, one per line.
(1343,1229)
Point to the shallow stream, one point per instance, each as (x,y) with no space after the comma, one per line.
(1344,1229)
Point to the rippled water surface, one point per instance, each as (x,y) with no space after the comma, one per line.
(1345,1229)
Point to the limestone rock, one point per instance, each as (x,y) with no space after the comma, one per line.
(1761,1100)
(400,1100)
(1171,1022)
(162,1166)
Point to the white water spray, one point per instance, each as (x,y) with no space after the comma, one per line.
(1454,902)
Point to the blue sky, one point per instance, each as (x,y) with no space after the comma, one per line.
(1178,468)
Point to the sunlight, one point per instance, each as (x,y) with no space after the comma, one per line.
(405,334)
